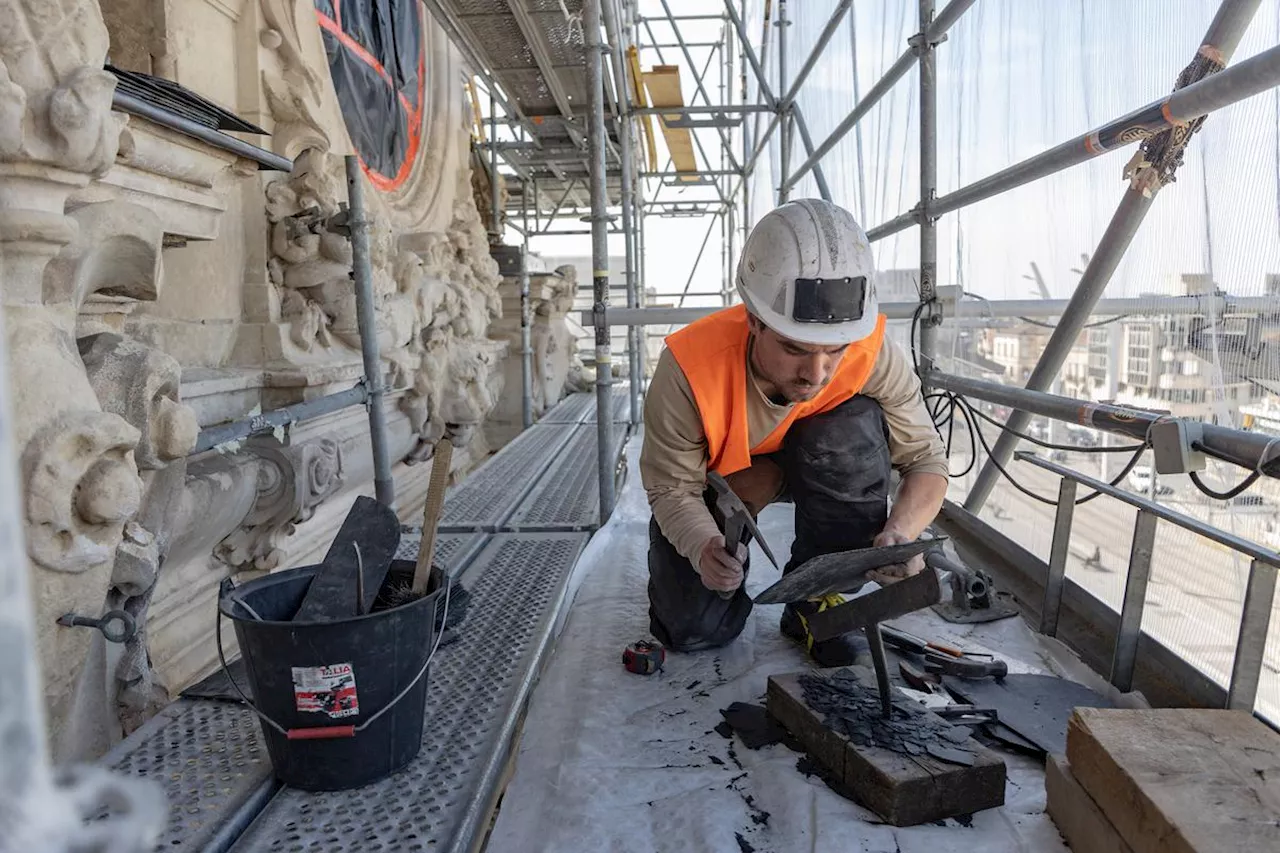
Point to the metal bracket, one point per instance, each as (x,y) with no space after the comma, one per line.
(973,594)
(117,626)
(918,41)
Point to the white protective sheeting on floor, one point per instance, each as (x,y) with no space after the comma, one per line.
(611,761)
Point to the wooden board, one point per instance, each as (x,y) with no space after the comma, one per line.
(1180,780)
(663,83)
(903,790)
(1078,817)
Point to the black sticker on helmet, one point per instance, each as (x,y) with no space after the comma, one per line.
(829,300)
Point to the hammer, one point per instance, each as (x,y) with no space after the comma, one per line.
(737,520)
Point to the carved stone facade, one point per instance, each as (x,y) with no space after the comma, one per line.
(154,285)
(554,359)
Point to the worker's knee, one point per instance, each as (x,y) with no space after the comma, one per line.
(683,614)
(841,454)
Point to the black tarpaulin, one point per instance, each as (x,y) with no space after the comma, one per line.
(377,62)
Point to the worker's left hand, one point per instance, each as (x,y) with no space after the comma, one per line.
(897,571)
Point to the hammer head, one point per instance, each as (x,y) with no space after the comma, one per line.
(736,514)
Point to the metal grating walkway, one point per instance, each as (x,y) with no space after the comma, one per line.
(208,755)
(567,497)
(485,499)
(581,408)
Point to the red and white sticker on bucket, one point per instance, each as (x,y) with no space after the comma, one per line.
(326,689)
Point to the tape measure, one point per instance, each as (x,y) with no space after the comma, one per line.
(644,657)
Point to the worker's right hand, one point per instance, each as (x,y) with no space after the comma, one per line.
(720,570)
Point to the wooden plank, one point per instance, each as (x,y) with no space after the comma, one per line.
(663,83)
(1180,780)
(1078,817)
(636,83)
(903,790)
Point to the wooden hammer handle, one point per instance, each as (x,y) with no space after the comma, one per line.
(440,464)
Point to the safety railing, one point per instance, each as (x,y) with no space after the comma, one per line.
(1255,620)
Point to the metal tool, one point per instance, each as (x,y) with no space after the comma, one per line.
(900,639)
(644,657)
(945,660)
(843,571)
(966,666)
(737,521)
(868,611)
(973,596)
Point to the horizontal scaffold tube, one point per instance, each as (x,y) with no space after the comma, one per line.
(1252,450)
(211,437)
(1252,76)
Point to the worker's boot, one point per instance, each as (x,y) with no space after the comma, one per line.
(844,650)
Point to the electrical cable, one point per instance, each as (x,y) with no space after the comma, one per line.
(1229,493)
(1092,325)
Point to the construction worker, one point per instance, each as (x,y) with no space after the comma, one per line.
(793,395)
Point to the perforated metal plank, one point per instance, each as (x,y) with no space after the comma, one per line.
(478,687)
(567,497)
(621,408)
(210,760)
(453,550)
(485,499)
(570,410)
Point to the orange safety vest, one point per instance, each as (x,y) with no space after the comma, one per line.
(712,352)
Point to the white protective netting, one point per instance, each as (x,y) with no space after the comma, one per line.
(1014,78)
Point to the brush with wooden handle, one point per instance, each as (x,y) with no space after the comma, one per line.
(431,513)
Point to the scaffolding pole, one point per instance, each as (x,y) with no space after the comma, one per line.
(1221,40)
(928,183)
(944,21)
(613,29)
(599,254)
(526,332)
(1254,75)
(366,319)
(784,109)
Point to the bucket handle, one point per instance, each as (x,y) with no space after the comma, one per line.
(326,732)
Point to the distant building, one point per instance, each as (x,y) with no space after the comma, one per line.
(1016,348)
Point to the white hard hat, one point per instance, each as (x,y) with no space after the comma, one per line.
(806,272)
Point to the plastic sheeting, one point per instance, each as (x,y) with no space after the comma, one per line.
(377,62)
(619,762)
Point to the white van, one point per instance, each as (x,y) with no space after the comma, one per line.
(1140,481)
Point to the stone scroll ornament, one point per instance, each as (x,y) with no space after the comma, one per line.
(292,482)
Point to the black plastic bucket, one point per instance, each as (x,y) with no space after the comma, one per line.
(341,703)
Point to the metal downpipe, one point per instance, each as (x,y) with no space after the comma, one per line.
(1224,35)
(362,272)
(599,254)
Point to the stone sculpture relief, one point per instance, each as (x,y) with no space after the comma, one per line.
(292,482)
(81,483)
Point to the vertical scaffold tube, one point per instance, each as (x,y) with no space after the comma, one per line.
(366,320)
(928,187)
(599,254)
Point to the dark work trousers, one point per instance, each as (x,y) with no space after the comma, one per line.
(835,469)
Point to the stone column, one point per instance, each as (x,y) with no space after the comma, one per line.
(79,477)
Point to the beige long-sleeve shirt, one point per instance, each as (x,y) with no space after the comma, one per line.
(673,460)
